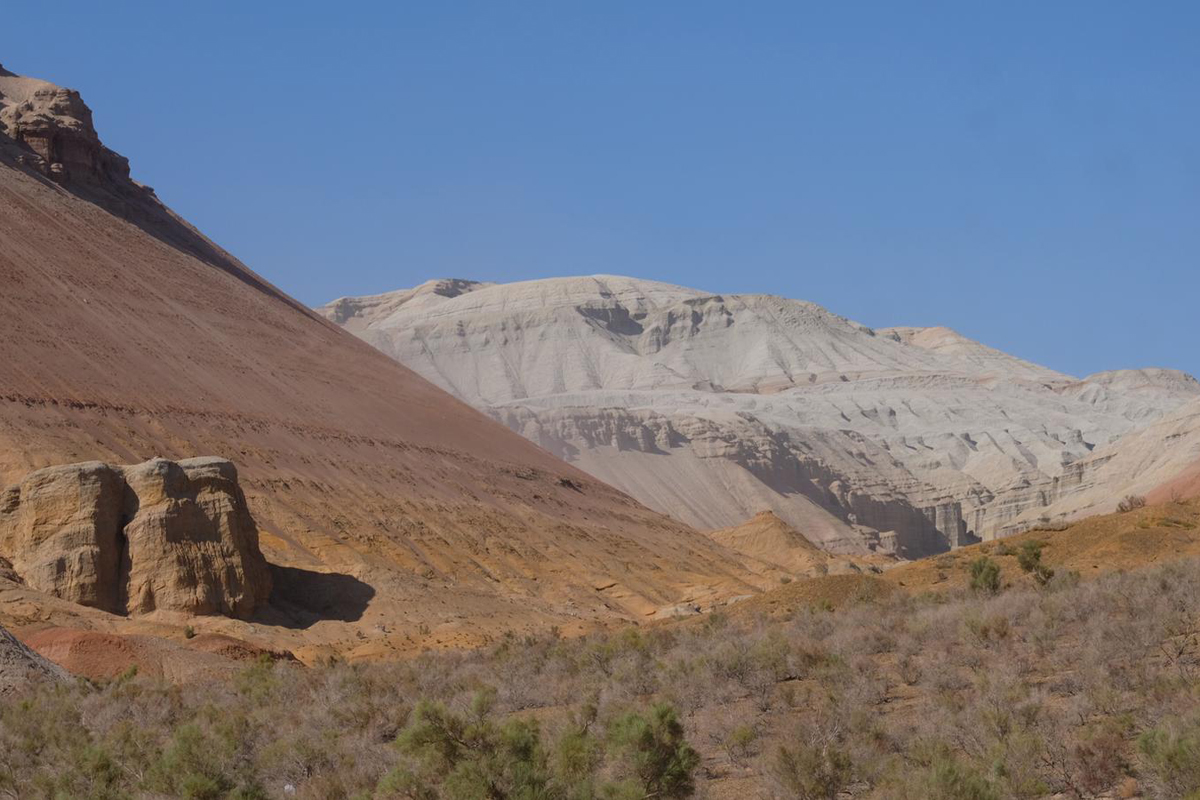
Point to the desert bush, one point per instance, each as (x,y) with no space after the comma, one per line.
(1131,502)
(739,743)
(1070,691)
(813,768)
(985,575)
(1171,753)
(938,774)
(658,759)
(1029,559)
(462,756)
(1100,755)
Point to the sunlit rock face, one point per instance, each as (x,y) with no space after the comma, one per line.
(168,535)
(55,128)
(713,408)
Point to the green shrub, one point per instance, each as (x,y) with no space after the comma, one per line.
(1029,558)
(658,758)
(985,575)
(469,756)
(739,743)
(191,766)
(941,776)
(949,779)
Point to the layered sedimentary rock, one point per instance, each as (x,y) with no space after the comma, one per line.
(131,540)
(712,408)
(55,127)
(60,529)
(394,516)
(191,543)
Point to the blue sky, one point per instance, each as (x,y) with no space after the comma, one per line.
(1025,172)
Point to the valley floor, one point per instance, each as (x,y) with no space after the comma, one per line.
(858,686)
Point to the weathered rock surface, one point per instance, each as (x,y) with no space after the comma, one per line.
(131,540)
(60,529)
(55,128)
(20,667)
(1160,461)
(712,408)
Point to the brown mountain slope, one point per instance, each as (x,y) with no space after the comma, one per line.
(124,334)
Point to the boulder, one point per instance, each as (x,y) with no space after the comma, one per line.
(191,543)
(680,610)
(131,540)
(60,528)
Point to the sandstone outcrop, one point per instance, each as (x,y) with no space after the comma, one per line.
(55,127)
(60,529)
(131,540)
(712,408)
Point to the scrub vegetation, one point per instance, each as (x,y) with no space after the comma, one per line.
(1054,688)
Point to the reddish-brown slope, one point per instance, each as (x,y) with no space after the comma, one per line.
(122,341)
(1183,486)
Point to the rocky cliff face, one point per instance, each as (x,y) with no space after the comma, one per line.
(713,408)
(131,540)
(53,130)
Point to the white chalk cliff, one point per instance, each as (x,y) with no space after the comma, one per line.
(714,408)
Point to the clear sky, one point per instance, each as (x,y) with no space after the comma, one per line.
(1025,172)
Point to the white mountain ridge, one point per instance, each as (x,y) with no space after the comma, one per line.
(712,408)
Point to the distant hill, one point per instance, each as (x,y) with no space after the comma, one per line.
(712,408)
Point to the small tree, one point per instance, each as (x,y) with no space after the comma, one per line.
(985,575)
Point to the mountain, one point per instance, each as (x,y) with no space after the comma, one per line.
(712,408)
(393,515)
